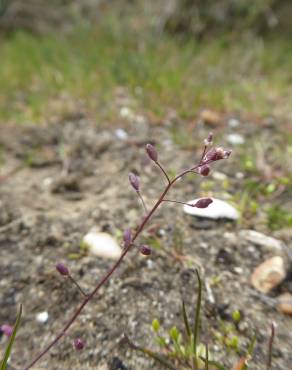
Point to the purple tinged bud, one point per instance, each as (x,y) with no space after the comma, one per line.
(78,344)
(203,203)
(216,154)
(7,330)
(134,181)
(152,153)
(204,170)
(127,237)
(227,153)
(62,269)
(145,250)
(209,139)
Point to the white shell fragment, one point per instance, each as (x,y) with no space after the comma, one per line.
(216,210)
(268,274)
(42,317)
(102,245)
(262,240)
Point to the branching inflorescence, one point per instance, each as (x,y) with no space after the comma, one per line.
(209,155)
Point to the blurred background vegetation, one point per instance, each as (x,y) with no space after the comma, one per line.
(64,57)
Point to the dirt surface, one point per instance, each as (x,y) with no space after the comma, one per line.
(58,182)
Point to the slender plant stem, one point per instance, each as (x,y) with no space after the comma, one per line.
(164,172)
(142,200)
(77,285)
(106,277)
(177,201)
(270,346)
(101,283)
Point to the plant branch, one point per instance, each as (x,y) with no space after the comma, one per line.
(77,285)
(163,171)
(87,298)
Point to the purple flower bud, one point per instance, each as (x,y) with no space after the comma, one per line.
(209,139)
(127,237)
(216,154)
(203,203)
(62,269)
(152,153)
(78,344)
(134,181)
(7,330)
(204,170)
(145,249)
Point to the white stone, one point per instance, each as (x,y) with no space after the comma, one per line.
(121,134)
(126,112)
(262,240)
(233,122)
(235,139)
(216,210)
(102,245)
(42,317)
(220,176)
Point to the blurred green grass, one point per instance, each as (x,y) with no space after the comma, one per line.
(43,77)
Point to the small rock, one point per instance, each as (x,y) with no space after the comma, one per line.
(262,240)
(126,112)
(233,122)
(210,117)
(235,139)
(102,245)
(220,176)
(42,317)
(284,304)
(218,209)
(269,274)
(121,134)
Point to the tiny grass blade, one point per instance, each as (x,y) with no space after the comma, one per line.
(186,320)
(197,320)
(161,359)
(11,340)
(207,358)
(214,363)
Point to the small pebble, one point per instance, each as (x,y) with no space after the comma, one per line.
(262,240)
(121,134)
(42,317)
(233,122)
(102,245)
(210,117)
(284,303)
(269,274)
(235,139)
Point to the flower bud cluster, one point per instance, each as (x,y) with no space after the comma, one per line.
(216,154)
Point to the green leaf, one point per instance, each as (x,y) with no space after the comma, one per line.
(214,363)
(251,345)
(174,333)
(11,340)
(161,359)
(186,320)
(197,319)
(155,325)
(156,356)
(207,358)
